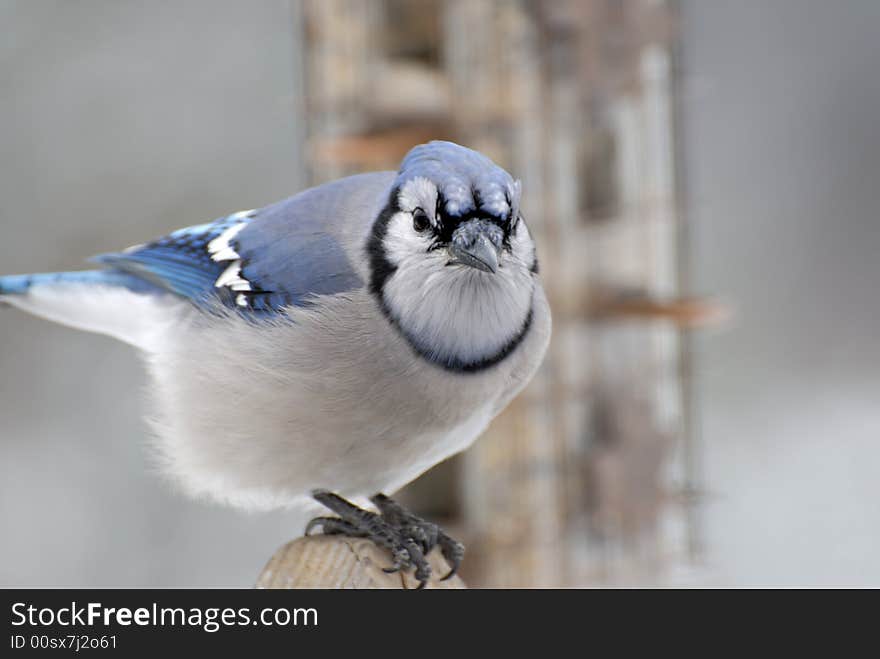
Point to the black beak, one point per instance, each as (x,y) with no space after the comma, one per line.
(476,244)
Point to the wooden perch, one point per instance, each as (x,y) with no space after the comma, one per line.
(323,561)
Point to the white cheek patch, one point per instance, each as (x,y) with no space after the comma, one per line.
(402,242)
(522,246)
(418,192)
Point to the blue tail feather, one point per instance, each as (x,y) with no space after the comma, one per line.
(21,284)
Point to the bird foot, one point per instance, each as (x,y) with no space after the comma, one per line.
(409,538)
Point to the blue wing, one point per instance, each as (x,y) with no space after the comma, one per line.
(179,262)
(265,260)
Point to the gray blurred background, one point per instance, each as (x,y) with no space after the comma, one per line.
(120,121)
(783,164)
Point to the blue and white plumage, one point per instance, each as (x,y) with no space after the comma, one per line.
(347,338)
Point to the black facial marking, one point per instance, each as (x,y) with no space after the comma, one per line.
(380,267)
(447,224)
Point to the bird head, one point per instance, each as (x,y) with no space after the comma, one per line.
(453,265)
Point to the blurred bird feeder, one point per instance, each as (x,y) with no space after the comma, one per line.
(591,476)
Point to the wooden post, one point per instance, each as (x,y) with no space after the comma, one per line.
(322,561)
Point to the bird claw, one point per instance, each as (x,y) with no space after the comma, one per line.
(453,552)
(409,538)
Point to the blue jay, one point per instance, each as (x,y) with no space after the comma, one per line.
(330,346)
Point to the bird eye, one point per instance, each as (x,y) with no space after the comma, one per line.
(420,220)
